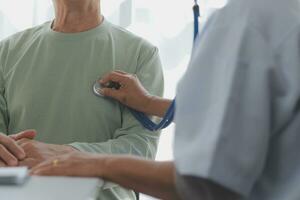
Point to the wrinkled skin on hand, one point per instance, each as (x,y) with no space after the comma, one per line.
(73,164)
(37,152)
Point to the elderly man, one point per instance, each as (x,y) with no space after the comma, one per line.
(46,79)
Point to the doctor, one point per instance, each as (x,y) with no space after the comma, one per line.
(237,117)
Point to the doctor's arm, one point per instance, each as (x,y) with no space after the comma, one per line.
(134,95)
(149,177)
(157,179)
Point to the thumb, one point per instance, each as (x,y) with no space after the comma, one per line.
(28,134)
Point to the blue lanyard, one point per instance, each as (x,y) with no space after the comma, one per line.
(169,116)
(196,10)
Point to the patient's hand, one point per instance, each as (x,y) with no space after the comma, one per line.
(10,151)
(37,152)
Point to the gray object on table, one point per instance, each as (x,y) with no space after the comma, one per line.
(53,188)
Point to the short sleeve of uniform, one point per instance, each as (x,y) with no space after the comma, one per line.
(223,116)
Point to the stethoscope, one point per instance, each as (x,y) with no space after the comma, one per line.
(142,117)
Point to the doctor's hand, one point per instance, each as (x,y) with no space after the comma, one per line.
(10,152)
(131,92)
(73,164)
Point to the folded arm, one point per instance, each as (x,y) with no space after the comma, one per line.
(131,137)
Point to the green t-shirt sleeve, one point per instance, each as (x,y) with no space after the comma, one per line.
(3,105)
(132,138)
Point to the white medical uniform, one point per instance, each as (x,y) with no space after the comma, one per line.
(238,105)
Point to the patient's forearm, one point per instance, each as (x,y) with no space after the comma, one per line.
(148,177)
(157,106)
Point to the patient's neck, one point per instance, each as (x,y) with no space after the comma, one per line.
(76,16)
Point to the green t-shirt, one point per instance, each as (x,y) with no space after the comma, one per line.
(46,80)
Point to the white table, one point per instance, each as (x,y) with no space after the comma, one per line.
(53,188)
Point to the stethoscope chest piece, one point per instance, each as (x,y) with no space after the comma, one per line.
(98,86)
(96,89)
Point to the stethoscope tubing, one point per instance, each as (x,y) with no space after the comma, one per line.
(169,116)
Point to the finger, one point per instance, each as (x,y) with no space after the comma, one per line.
(2,164)
(43,165)
(50,170)
(29,162)
(23,141)
(29,134)
(12,146)
(38,168)
(45,171)
(55,171)
(121,72)
(108,92)
(114,76)
(7,157)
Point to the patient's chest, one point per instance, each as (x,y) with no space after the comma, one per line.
(49,88)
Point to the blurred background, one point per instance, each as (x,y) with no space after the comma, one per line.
(168,24)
